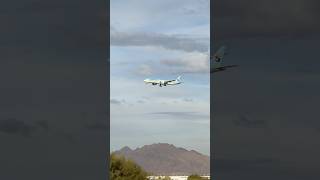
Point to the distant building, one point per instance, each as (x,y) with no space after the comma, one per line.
(173,177)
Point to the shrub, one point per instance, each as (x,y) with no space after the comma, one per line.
(196,177)
(123,169)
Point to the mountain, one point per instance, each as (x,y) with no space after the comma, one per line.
(166,159)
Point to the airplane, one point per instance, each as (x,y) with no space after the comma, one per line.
(217,61)
(163,82)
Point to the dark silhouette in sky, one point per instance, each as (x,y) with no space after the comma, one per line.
(53,74)
(265,115)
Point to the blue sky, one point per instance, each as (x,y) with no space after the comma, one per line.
(160,39)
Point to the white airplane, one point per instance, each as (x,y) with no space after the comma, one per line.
(163,82)
(217,61)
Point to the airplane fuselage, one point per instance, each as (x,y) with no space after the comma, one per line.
(163,82)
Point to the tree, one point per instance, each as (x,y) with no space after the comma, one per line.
(123,169)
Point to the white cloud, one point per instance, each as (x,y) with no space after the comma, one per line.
(173,42)
(116,101)
(158,16)
(145,70)
(190,63)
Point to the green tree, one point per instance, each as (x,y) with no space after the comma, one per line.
(123,169)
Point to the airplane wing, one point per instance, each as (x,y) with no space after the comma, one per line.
(230,66)
(168,81)
(222,68)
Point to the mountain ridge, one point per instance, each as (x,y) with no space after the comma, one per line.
(167,159)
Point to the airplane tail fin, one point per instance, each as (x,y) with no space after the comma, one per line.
(218,56)
(179,79)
